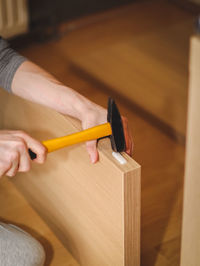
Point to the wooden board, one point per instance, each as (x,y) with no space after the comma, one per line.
(191,215)
(93,209)
(16,210)
(142,55)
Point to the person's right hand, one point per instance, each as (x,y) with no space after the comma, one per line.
(14,156)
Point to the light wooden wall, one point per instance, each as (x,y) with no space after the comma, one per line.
(190,254)
(93,209)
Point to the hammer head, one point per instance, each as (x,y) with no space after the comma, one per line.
(114,118)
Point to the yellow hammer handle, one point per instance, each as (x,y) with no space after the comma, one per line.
(85,135)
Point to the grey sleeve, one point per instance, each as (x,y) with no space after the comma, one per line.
(10,60)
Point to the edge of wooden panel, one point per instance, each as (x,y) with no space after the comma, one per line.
(132,217)
(190,223)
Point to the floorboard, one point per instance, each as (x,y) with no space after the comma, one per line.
(142,51)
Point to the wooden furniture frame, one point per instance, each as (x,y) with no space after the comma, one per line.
(191,215)
(93,209)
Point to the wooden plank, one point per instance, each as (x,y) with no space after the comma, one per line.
(16,210)
(191,215)
(93,209)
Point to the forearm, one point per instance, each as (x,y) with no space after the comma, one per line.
(32,83)
(27,80)
(35,84)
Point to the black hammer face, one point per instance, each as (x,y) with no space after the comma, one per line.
(114,118)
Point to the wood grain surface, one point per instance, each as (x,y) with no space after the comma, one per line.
(93,209)
(191,215)
(14,209)
(141,54)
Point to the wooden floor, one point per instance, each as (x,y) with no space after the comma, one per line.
(162,161)
(142,50)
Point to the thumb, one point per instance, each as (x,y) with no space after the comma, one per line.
(34,145)
(91,147)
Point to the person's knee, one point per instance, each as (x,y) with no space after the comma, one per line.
(19,248)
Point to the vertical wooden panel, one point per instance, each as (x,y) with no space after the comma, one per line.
(93,209)
(191,214)
(132,222)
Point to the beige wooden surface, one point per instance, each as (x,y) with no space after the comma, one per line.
(142,54)
(191,216)
(14,209)
(93,209)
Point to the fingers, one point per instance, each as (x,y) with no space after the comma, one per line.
(91,119)
(35,146)
(129,141)
(14,167)
(91,147)
(18,157)
(4,167)
(128,136)
(24,161)
(14,156)
(96,116)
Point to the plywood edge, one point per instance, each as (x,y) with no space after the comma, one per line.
(195,38)
(190,242)
(194,64)
(132,217)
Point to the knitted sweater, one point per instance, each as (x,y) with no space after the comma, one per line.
(10,60)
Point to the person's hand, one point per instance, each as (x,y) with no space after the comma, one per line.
(96,116)
(14,156)
(35,84)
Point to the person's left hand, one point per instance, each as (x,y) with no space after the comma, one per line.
(96,116)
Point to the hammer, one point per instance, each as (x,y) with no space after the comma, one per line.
(113,129)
